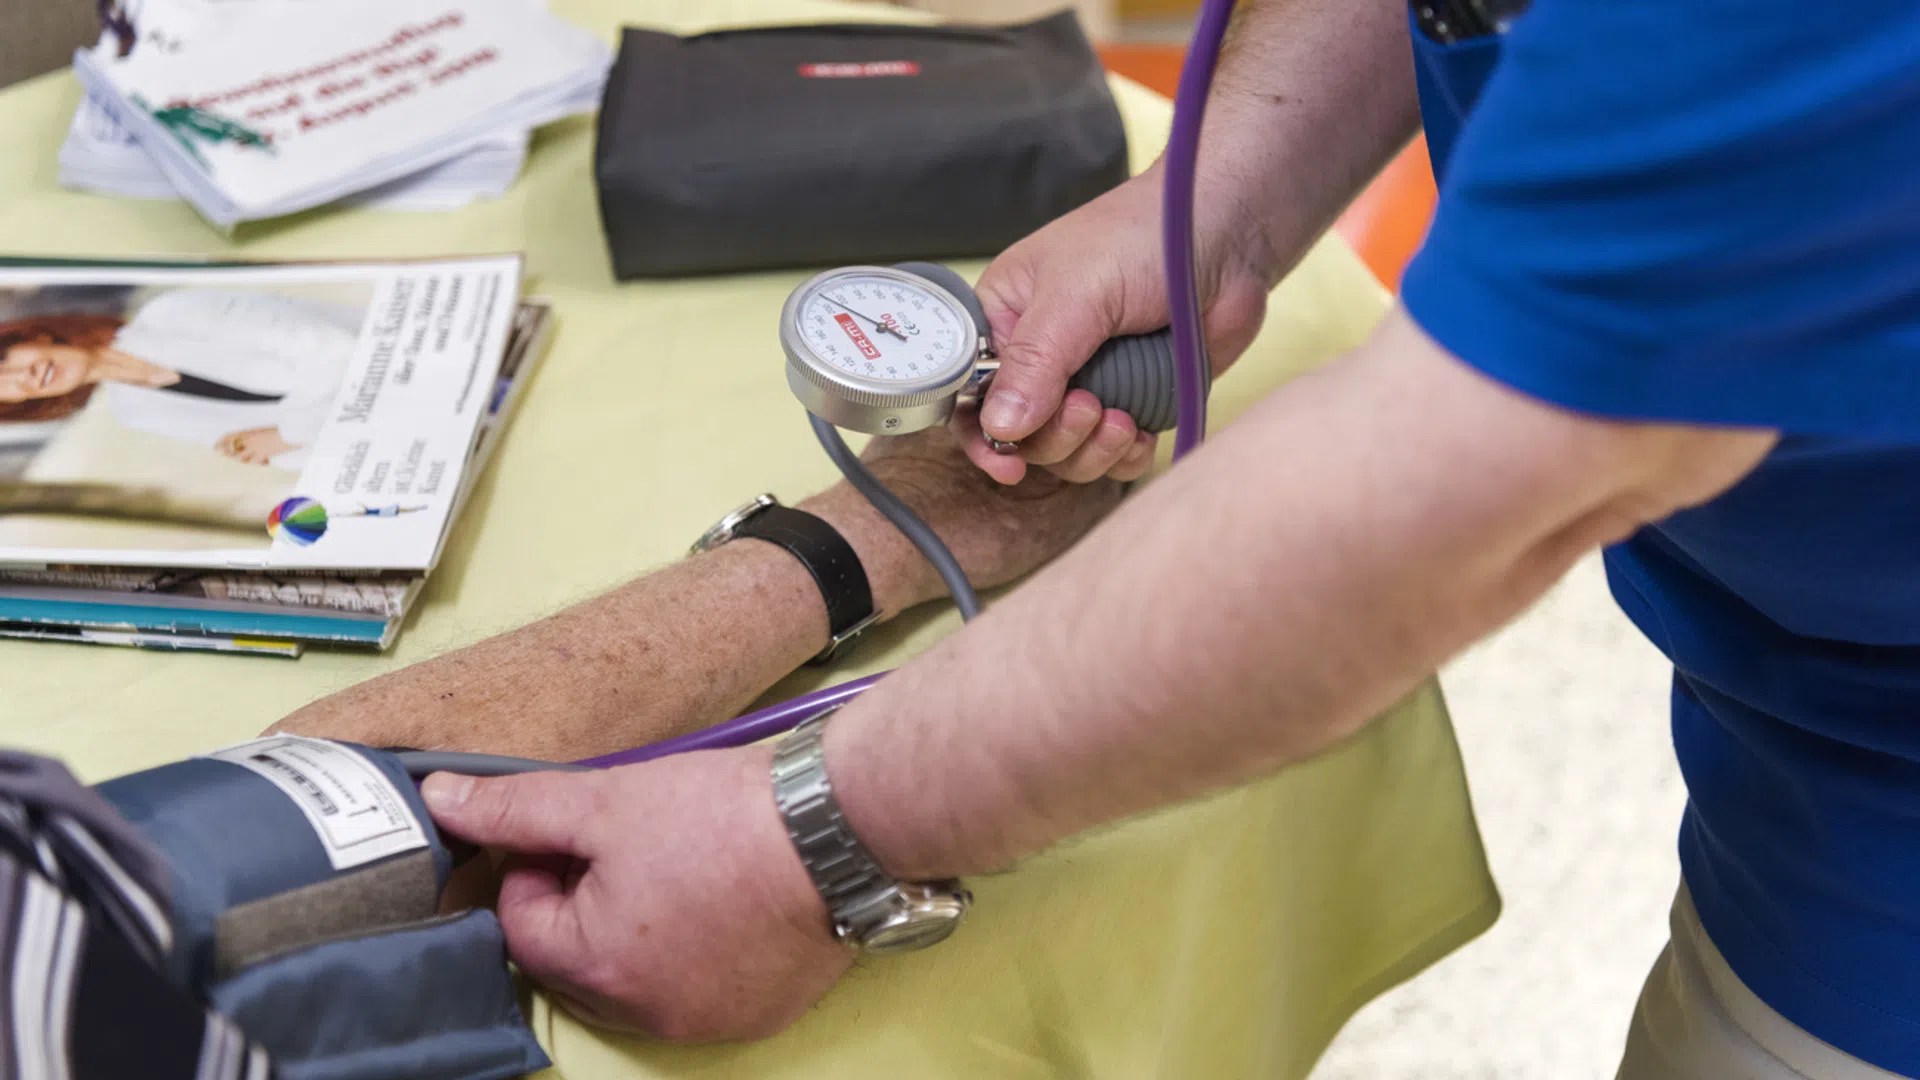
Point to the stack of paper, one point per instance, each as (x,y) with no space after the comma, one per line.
(277,106)
(101,156)
(247,459)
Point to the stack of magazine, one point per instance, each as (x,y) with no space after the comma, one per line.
(253,109)
(245,458)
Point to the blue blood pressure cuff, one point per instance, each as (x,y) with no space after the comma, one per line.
(304,879)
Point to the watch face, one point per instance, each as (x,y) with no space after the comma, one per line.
(924,914)
(913,930)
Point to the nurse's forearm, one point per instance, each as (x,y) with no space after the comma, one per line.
(1288,582)
(1312,98)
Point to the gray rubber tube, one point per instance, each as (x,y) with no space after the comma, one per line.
(901,515)
(421,762)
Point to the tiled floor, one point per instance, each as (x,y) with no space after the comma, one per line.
(1562,720)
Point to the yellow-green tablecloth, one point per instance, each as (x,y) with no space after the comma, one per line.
(1227,938)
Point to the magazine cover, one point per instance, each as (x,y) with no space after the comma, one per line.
(260,417)
(386,595)
(211,610)
(74,635)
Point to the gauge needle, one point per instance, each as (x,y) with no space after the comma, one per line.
(877,324)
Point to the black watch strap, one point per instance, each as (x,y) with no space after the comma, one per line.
(834,564)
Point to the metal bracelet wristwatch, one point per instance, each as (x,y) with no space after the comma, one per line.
(820,548)
(868,908)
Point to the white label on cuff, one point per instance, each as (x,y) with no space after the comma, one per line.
(355,810)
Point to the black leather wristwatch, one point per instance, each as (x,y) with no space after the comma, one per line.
(834,564)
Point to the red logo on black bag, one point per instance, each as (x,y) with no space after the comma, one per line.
(870,69)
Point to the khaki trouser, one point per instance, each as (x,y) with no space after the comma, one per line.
(1697,1021)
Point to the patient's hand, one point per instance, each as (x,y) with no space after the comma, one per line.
(254,446)
(999,533)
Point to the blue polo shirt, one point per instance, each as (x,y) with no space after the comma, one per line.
(1708,211)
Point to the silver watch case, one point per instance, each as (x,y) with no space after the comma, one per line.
(849,401)
(868,909)
(903,917)
(728,527)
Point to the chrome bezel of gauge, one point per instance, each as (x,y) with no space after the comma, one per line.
(873,405)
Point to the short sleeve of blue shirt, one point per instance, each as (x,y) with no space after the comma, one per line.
(1692,210)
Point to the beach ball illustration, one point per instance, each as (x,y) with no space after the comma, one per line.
(300,520)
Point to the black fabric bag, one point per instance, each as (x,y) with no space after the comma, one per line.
(806,145)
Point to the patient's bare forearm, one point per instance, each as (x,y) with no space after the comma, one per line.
(692,644)
(676,650)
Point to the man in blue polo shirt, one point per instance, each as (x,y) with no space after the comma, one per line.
(1704,213)
(1670,303)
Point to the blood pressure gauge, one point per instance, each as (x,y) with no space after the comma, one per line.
(893,349)
(882,349)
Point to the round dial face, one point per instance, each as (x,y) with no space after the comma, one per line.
(885,329)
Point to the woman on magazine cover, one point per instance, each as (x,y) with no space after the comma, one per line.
(250,375)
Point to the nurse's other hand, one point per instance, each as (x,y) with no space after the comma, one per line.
(1096,273)
(663,898)
(254,446)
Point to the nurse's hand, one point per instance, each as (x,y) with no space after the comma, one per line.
(1095,273)
(663,898)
